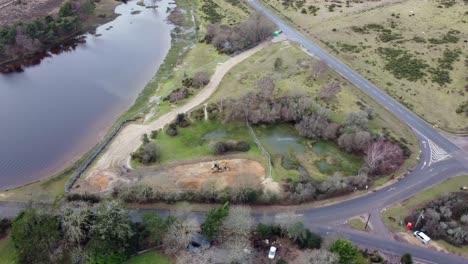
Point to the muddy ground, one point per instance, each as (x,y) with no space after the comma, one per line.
(198,176)
(26,10)
(195,176)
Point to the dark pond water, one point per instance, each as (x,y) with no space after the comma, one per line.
(54,112)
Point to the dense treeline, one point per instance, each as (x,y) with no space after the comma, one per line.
(231,39)
(106,232)
(312,121)
(27,38)
(445,218)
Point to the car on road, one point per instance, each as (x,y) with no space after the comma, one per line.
(423,237)
(272,253)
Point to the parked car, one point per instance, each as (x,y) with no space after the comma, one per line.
(423,237)
(272,253)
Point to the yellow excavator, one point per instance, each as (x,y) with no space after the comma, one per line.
(220,167)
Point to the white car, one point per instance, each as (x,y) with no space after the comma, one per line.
(423,237)
(272,253)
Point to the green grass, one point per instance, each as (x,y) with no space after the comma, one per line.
(357,224)
(7,251)
(45,191)
(189,143)
(150,258)
(293,78)
(401,210)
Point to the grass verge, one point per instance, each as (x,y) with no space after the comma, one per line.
(151,257)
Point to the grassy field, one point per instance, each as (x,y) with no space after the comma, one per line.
(292,79)
(151,257)
(357,224)
(403,209)
(192,142)
(319,158)
(419,28)
(7,251)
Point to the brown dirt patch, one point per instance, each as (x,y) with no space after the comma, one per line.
(198,176)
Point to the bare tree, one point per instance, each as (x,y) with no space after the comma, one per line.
(383,157)
(331,130)
(355,140)
(239,222)
(313,125)
(180,234)
(240,250)
(319,69)
(200,79)
(267,87)
(329,91)
(355,120)
(317,256)
(75,219)
(178,95)
(112,222)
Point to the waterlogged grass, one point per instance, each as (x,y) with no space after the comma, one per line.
(292,78)
(7,251)
(335,160)
(152,257)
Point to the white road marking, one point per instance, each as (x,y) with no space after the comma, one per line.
(437,153)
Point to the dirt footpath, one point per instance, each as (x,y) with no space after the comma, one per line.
(26,10)
(112,167)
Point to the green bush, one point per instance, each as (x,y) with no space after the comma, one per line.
(265,231)
(221,147)
(214,220)
(346,250)
(5,224)
(407,259)
(35,236)
(103,252)
(172,130)
(148,153)
(402,64)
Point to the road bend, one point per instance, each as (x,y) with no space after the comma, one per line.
(393,106)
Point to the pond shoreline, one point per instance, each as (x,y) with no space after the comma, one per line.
(114,112)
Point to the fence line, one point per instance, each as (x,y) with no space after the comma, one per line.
(90,159)
(262,149)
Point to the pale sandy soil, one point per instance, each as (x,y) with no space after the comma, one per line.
(113,167)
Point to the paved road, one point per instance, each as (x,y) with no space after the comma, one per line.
(364,239)
(411,119)
(440,160)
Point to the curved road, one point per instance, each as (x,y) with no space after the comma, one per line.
(440,160)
